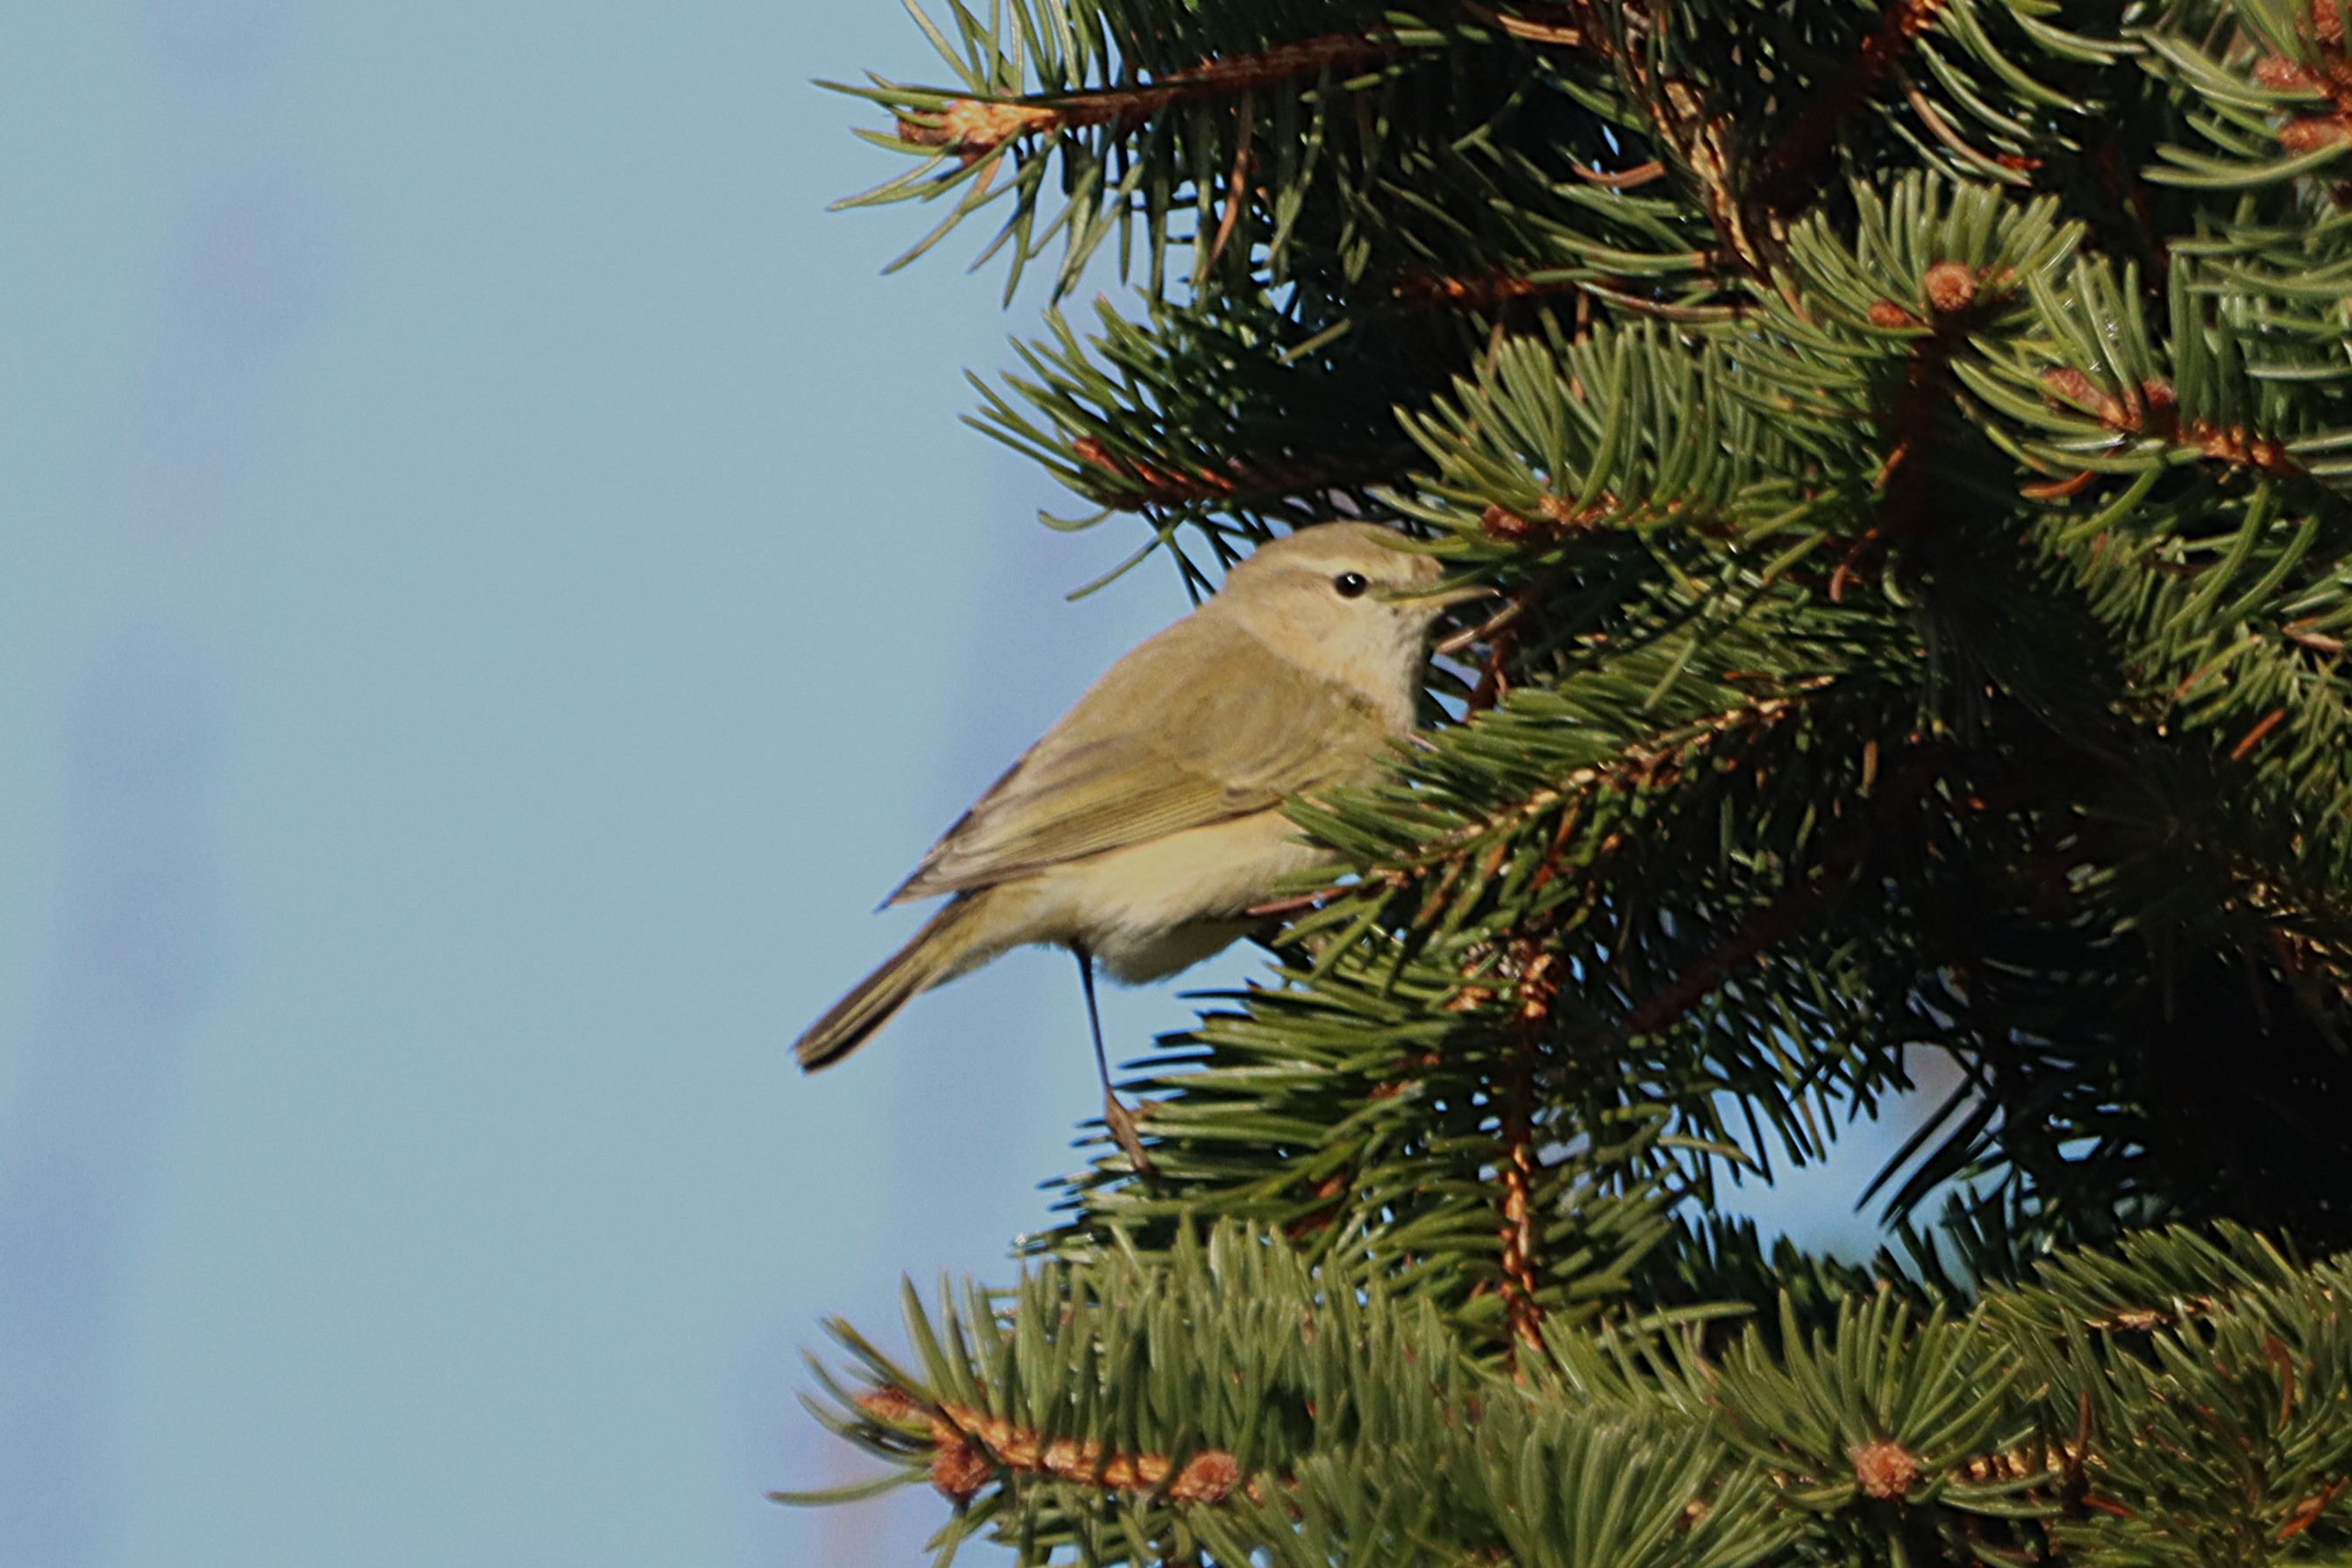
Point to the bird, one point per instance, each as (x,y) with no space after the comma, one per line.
(1143,827)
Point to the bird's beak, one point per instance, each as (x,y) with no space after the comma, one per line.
(1446,598)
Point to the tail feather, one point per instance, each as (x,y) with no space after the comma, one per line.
(949,943)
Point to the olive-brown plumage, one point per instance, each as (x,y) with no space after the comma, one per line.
(1144,823)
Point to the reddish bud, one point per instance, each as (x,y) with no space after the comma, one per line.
(2283,75)
(1207,1477)
(974,126)
(1950,287)
(1506,526)
(2071,385)
(2312,132)
(1884,1469)
(958,1469)
(887,1404)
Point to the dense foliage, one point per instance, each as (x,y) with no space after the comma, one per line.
(1916,447)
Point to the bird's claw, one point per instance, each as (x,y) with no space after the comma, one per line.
(1126,1135)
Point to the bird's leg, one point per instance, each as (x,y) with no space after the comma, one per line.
(1116,1117)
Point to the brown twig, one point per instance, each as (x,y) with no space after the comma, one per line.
(2306,1513)
(2254,737)
(972,127)
(1494,670)
(969,1447)
(1956,299)
(1236,184)
(2152,408)
(2008,168)
(1569,33)
(1513,608)
(1500,287)
(1522,1310)
(1637,768)
(1138,483)
(1556,516)
(1624,179)
(1681,120)
(1787,175)
(1704,140)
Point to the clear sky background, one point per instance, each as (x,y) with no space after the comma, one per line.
(492,590)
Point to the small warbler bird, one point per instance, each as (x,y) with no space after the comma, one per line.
(1147,822)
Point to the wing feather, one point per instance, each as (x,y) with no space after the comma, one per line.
(1198,724)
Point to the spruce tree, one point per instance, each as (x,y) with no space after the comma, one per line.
(1914,446)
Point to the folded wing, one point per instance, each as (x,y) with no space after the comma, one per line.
(1197,725)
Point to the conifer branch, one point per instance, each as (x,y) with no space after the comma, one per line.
(1958,301)
(1500,287)
(1533,989)
(2058,369)
(1790,167)
(1705,142)
(1566,31)
(2009,168)
(1651,763)
(1134,483)
(1910,780)
(972,127)
(971,1448)
(2152,409)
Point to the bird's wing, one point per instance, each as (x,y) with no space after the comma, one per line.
(1200,724)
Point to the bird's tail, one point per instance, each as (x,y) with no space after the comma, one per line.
(957,939)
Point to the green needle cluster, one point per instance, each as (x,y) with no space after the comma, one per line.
(1912,447)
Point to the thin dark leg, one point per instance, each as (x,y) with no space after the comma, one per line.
(1094,1017)
(1116,1117)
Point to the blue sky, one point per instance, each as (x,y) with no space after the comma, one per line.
(493,589)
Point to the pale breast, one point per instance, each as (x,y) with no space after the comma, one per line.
(1151,909)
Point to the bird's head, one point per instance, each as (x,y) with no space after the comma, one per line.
(1348,601)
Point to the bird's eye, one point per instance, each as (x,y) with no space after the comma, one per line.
(1350,584)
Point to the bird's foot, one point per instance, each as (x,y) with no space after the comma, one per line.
(1130,1139)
